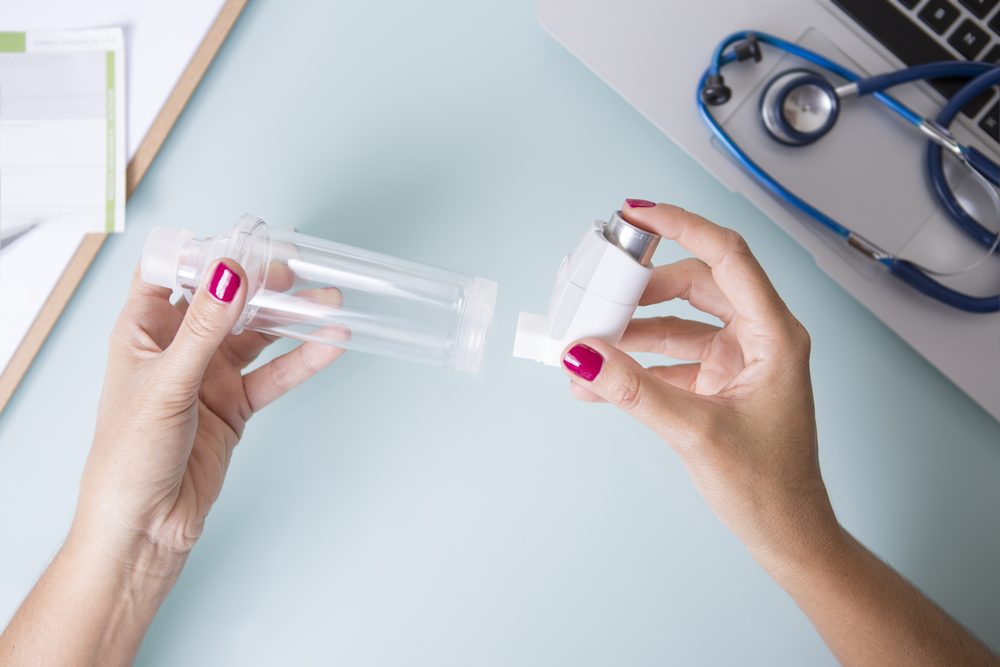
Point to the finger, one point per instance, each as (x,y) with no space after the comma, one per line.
(682,376)
(244,348)
(735,269)
(147,321)
(581,393)
(279,278)
(620,380)
(671,336)
(209,318)
(275,378)
(140,289)
(689,279)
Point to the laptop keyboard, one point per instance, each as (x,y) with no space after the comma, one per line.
(923,31)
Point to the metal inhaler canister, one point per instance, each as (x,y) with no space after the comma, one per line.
(597,290)
(320,291)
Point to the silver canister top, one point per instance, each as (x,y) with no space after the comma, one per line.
(636,242)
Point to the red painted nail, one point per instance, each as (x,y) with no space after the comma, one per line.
(583,361)
(639,203)
(225,283)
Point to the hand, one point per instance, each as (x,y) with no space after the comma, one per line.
(741,418)
(174,405)
(741,415)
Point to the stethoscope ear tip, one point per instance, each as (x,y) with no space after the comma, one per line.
(748,49)
(715,92)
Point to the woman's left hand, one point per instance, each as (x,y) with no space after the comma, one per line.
(174,405)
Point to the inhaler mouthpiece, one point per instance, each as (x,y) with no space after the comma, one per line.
(161,255)
(596,293)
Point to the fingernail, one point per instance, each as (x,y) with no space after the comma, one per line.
(225,283)
(583,361)
(639,203)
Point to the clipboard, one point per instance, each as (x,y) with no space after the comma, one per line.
(144,155)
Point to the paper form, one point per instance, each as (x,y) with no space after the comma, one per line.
(62,130)
(62,158)
(159,39)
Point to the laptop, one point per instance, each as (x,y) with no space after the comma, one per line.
(868,172)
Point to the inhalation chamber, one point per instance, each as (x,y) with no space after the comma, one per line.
(320,291)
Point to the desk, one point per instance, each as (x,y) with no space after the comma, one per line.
(392,514)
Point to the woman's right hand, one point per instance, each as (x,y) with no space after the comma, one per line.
(740,413)
(741,417)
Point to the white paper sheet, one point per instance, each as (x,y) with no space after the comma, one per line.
(62,131)
(160,38)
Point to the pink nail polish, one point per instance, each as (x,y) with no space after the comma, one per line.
(639,203)
(583,361)
(225,283)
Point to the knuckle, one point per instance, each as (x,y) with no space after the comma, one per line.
(312,363)
(281,375)
(802,337)
(664,338)
(735,242)
(199,323)
(795,337)
(734,247)
(692,266)
(628,392)
(164,392)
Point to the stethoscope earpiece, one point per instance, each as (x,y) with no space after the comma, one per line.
(715,92)
(798,107)
(748,49)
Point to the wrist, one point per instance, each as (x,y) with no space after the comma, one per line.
(124,582)
(99,599)
(128,562)
(809,538)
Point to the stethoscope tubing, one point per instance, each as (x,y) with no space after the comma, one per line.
(935,164)
(875,86)
(720,59)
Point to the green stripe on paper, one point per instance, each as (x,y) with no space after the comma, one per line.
(109,112)
(12,42)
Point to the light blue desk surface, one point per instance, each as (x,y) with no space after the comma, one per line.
(392,514)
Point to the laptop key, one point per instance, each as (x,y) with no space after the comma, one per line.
(895,29)
(969,39)
(939,15)
(993,55)
(979,7)
(995,23)
(990,124)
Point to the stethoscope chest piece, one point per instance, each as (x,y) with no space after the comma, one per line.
(798,107)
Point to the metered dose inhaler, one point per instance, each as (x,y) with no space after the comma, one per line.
(316,290)
(597,290)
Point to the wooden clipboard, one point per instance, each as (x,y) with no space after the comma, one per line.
(143,158)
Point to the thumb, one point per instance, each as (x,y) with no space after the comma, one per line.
(216,306)
(620,380)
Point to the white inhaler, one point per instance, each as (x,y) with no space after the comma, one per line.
(597,291)
(316,290)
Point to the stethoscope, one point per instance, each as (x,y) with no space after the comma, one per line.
(800,106)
